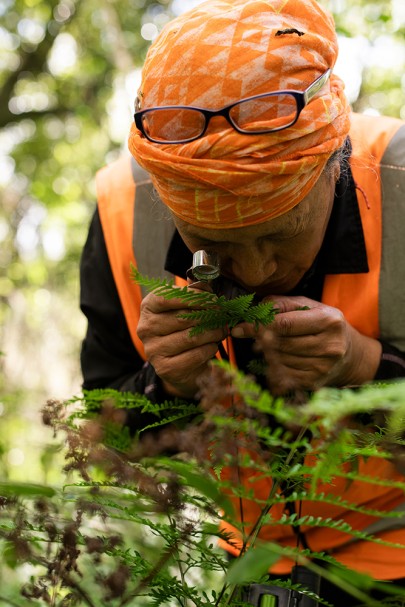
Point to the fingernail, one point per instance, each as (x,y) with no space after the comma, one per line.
(237,332)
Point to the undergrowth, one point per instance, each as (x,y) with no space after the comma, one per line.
(139,518)
(143,519)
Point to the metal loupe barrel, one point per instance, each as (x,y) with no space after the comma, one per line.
(205,266)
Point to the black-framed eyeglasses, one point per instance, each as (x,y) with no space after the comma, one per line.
(264,113)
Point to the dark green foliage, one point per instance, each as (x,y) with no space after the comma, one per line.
(134,526)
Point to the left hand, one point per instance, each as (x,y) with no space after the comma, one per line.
(307,349)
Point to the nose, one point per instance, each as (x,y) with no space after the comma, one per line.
(252,268)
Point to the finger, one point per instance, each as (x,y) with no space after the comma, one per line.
(282,383)
(158,303)
(317,320)
(164,323)
(301,365)
(180,367)
(297,373)
(284,324)
(182,341)
(285,303)
(303,346)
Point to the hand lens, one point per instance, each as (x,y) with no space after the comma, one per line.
(205,266)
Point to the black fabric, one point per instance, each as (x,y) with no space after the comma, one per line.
(339,598)
(344,250)
(108,356)
(392,363)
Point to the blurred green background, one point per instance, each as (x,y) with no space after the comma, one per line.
(69,71)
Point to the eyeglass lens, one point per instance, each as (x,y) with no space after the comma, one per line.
(265,113)
(173,124)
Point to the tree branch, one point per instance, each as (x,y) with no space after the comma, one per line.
(33,62)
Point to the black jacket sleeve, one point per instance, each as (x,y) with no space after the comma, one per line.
(392,363)
(108,357)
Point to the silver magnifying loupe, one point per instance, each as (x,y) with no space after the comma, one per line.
(205,266)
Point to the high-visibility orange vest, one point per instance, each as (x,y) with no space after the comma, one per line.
(137,228)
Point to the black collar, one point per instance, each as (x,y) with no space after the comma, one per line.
(343,250)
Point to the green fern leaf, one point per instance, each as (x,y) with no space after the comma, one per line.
(216,311)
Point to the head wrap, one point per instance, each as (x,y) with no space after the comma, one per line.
(216,54)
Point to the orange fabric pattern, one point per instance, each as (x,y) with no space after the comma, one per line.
(214,55)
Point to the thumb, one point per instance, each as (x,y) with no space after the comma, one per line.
(284,303)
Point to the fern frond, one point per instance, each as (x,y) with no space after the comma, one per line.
(171,419)
(215,312)
(258,366)
(381,482)
(338,525)
(333,500)
(167,289)
(239,305)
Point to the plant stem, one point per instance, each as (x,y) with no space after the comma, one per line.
(79,590)
(252,537)
(276,485)
(176,550)
(144,583)
(9,601)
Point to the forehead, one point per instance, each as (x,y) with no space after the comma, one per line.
(284,224)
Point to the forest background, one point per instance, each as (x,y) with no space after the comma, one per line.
(69,72)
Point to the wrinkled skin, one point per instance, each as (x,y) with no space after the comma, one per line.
(305,349)
(178,359)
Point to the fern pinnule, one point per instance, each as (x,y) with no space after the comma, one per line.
(210,311)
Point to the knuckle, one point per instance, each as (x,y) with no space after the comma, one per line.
(193,341)
(335,318)
(146,302)
(335,349)
(205,353)
(164,368)
(285,325)
(281,386)
(142,329)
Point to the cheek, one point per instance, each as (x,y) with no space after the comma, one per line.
(292,253)
(295,257)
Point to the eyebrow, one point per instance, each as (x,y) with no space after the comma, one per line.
(204,240)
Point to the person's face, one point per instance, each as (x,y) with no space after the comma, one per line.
(270,257)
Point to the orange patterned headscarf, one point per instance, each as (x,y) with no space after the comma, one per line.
(216,54)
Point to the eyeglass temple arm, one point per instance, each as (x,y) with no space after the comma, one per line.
(316,86)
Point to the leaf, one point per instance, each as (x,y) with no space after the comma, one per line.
(252,565)
(10,555)
(26,489)
(214,311)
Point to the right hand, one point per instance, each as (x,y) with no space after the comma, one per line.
(177,358)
